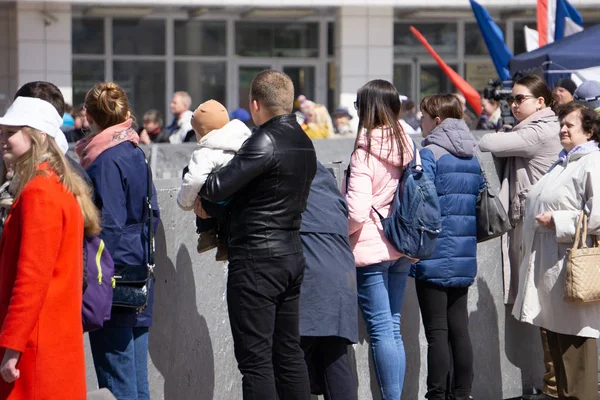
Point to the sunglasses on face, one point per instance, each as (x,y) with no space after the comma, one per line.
(356,105)
(518,99)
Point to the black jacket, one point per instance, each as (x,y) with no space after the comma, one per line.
(267,184)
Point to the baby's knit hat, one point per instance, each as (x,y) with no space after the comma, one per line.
(588,94)
(209,116)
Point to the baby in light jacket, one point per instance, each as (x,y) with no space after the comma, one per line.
(218,141)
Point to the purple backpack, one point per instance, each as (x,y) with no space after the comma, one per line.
(98,283)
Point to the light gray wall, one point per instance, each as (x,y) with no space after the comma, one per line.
(191,350)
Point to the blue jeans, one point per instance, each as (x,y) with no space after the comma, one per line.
(380,295)
(121,361)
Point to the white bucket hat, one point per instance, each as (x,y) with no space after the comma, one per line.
(37,114)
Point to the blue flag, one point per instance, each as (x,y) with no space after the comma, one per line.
(564,9)
(494,40)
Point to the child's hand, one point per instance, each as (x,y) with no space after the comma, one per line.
(8,369)
(199,210)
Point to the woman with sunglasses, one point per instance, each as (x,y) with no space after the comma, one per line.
(530,149)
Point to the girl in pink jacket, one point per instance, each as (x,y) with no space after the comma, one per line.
(382,150)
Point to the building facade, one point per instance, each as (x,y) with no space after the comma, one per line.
(212,49)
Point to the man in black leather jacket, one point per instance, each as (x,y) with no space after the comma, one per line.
(267,184)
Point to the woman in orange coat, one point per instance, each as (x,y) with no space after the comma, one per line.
(41,262)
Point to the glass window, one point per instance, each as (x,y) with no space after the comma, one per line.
(200,38)
(330,39)
(245,76)
(202,80)
(86,73)
(434,81)
(403,79)
(139,36)
(519,36)
(144,83)
(87,36)
(474,43)
(303,79)
(254,39)
(442,37)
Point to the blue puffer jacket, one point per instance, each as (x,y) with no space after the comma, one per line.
(448,160)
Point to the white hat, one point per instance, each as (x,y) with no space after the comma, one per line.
(37,114)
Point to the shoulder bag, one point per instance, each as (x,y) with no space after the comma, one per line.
(492,220)
(132,288)
(582,284)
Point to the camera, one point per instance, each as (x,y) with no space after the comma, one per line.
(496,91)
(500,91)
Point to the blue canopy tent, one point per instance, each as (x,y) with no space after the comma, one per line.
(572,53)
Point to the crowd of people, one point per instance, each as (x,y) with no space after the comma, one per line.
(304,255)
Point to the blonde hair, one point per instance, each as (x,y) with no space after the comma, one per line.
(108,105)
(26,168)
(185,98)
(321,120)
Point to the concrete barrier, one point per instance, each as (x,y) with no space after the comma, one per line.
(191,349)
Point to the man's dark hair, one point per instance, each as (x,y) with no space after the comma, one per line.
(45,91)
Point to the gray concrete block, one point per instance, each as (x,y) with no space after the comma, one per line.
(191,350)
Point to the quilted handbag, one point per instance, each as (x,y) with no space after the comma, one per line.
(492,220)
(582,284)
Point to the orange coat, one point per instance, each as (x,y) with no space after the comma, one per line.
(41,277)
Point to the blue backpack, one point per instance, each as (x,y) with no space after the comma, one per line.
(98,284)
(415,217)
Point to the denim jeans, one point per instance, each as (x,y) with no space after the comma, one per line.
(121,361)
(380,295)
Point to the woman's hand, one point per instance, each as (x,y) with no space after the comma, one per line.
(545,219)
(8,369)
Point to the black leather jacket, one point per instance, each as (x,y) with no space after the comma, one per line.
(268,182)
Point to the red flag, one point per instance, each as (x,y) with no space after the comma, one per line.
(471,95)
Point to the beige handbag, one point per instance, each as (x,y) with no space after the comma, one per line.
(582,284)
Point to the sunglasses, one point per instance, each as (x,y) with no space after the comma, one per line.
(518,99)
(356,105)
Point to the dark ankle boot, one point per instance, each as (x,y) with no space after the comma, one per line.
(221,250)
(207,241)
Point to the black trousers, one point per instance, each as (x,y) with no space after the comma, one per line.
(263,297)
(329,367)
(446,322)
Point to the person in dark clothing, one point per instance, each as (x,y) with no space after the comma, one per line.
(81,126)
(442,281)
(409,114)
(328,307)
(153,130)
(117,167)
(267,184)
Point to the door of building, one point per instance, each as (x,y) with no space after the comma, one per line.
(303,76)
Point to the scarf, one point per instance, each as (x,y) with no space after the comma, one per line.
(89,148)
(585,148)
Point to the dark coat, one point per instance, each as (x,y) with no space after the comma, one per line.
(267,181)
(120,184)
(328,299)
(448,160)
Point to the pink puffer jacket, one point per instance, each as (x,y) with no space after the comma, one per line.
(372,183)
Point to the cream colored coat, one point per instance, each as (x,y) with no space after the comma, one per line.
(564,191)
(530,149)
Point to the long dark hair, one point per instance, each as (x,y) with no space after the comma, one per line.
(378,104)
(538,88)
